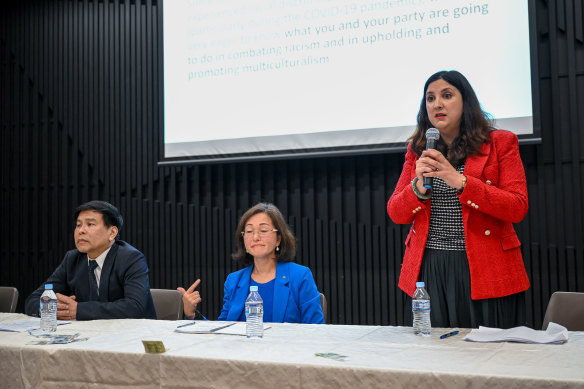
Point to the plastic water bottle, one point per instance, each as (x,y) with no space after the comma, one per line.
(254,314)
(48,309)
(421,310)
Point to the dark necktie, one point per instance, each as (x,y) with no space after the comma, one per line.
(93,295)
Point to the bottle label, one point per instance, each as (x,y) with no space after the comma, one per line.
(420,304)
(252,310)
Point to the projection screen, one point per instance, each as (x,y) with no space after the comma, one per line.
(262,78)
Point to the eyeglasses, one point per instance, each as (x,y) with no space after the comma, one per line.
(262,231)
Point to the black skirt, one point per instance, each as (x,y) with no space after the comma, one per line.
(447,279)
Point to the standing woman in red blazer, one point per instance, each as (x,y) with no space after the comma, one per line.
(461,242)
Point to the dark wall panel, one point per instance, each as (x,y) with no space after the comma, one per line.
(81,118)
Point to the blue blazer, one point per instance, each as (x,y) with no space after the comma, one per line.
(296,298)
(124,285)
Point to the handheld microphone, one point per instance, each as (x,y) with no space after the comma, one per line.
(432,136)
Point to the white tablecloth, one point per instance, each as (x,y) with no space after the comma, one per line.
(376,356)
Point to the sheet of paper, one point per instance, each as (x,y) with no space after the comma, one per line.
(237,329)
(555,334)
(207,327)
(201,327)
(26,325)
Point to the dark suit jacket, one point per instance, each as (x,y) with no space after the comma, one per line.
(124,286)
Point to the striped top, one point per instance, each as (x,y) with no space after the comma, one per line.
(446,228)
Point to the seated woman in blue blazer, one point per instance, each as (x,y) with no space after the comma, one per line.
(265,243)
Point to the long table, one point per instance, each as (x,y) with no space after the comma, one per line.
(376,357)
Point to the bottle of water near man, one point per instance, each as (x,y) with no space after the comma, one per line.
(254,314)
(48,309)
(421,310)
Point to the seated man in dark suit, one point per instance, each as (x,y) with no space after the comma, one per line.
(105,278)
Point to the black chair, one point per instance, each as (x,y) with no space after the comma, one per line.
(323,303)
(567,309)
(168,304)
(8,299)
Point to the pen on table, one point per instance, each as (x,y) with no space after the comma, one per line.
(188,324)
(448,334)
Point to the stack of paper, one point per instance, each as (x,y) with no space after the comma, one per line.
(555,334)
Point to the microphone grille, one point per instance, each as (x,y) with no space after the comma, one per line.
(433,134)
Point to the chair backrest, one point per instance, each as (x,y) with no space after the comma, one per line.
(567,309)
(323,303)
(168,304)
(8,299)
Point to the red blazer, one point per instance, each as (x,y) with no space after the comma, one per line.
(494,197)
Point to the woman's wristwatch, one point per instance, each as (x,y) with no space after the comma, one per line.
(463,184)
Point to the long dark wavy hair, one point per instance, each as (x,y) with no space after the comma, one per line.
(287,246)
(475,124)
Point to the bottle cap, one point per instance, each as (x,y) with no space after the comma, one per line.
(48,286)
(420,284)
(253,288)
